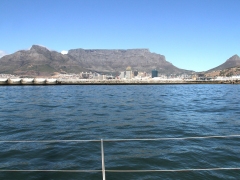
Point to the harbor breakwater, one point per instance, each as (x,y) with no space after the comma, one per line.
(27,81)
(50,81)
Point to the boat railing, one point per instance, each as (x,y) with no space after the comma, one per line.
(103,170)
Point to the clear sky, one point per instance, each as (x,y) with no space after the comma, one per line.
(192,34)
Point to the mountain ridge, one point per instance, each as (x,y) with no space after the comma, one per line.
(41,61)
(38,61)
(231,67)
(231,62)
(105,60)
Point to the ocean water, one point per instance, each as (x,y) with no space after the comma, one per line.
(119,112)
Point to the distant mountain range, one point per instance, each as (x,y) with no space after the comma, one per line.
(39,61)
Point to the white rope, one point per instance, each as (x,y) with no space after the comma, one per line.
(175,170)
(50,170)
(179,138)
(48,141)
(122,171)
(109,140)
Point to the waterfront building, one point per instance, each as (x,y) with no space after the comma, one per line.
(85,75)
(128,72)
(98,76)
(122,75)
(135,73)
(154,73)
(128,75)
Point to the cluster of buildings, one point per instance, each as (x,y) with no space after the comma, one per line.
(128,74)
(231,78)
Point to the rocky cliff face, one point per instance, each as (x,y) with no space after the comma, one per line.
(119,60)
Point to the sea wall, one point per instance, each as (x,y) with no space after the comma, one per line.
(50,81)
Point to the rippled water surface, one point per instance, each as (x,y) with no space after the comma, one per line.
(119,112)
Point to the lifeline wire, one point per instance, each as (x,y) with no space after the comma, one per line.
(121,171)
(113,140)
(175,170)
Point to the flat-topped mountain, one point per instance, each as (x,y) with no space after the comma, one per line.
(117,60)
(38,61)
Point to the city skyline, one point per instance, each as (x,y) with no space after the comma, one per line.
(193,35)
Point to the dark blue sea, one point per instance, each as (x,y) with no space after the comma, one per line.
(37,113)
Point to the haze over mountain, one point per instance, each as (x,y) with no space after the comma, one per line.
(41,61)
(2,53)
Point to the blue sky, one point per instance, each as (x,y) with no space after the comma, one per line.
(192,34)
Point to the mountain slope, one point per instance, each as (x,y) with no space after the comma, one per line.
(233,61)
(38,61)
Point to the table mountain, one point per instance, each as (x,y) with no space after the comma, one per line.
(119,60)
(39,61)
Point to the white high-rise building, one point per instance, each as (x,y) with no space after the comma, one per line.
(122,75)
(128,75)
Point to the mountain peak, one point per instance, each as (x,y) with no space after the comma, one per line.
(39,48)
(234,58)
(231,62)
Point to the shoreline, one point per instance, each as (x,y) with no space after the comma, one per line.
(50,81)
